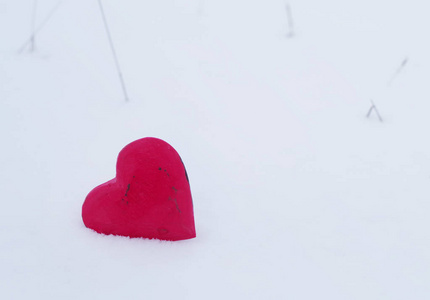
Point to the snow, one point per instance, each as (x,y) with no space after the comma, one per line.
(297,195)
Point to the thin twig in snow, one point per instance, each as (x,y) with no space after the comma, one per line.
(33,26)
(373,107)
(30,40)
(399,69)
(113,51)
(290,21)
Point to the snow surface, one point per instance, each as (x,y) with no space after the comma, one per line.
(297,194)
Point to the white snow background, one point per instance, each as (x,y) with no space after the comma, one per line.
(297,195)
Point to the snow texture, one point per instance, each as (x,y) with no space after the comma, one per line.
(297,195)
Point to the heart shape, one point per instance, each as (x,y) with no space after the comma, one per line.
(150,196)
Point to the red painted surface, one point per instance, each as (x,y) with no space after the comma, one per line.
(150,196)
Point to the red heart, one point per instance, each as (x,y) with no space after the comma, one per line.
(150,196)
